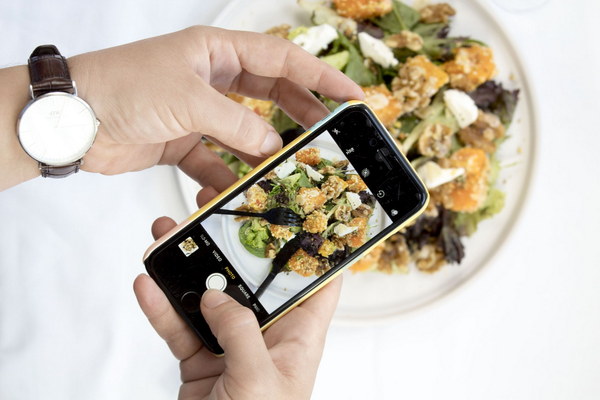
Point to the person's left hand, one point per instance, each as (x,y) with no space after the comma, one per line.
(158,97)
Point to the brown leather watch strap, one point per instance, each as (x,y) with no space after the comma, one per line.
(63,171)
(49,72)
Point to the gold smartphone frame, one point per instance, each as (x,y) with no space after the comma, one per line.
(269,163)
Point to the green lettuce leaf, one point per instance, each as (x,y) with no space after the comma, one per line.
(401,18)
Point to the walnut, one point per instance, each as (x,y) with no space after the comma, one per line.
(435,141)
(395,255)
(418,79)
(483,133)
(362,9)
(341,164)
(364,210)
(342,213)
(333,187)
(323,267)
(410,40)
(429,258)
(338,242)
(281,31)
(270,250)
(436,13)
(315,222)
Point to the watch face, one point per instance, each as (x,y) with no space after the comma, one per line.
(57,128)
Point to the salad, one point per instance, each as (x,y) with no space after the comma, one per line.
(332,200)
(437,96)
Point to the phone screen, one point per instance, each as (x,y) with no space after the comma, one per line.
(344,187)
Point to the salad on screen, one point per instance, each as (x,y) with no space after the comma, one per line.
(437,96)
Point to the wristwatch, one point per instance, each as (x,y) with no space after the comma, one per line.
(56,128)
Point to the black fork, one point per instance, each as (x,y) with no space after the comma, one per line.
(277,216)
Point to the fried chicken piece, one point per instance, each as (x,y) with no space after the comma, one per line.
(303,264)
(468,194)
(386,106)
(470,67)
(362,9)
(315,222)
(310,199)
(310,156)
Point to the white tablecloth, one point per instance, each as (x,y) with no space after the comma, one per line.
(526,327)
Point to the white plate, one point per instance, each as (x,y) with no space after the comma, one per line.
(373,297)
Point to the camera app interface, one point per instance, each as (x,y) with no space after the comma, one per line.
(294,223)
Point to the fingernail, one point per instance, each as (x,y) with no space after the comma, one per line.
(271,144)
(213,298)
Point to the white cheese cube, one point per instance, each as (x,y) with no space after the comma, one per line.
(433,175)
(316,38)
(376,50)
(312,174)
(462,106)
(285,169)
(342,230)
(353,199)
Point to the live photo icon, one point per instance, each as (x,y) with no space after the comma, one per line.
(394,212)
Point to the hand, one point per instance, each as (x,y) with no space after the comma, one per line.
(156,98)
(281,364)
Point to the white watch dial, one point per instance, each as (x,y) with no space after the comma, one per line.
(57,128)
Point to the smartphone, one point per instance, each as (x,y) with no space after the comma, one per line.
(310,211)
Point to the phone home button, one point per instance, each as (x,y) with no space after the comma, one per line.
(216,281)
(191,302)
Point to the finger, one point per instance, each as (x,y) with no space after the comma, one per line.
(205,195)
(305,327)
(197,389)
(298,102)
(231,123)
(164,319)
(198,162)
(161,226)
(251,160)
(324,302)
(287,60)
(238,333)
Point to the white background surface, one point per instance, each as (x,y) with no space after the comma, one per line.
(526,327)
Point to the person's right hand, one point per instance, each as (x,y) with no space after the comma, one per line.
(281,364)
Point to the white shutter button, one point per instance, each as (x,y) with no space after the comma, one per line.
(216,281)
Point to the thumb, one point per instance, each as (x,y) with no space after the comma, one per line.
(237,332)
